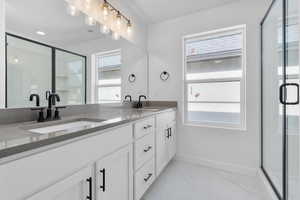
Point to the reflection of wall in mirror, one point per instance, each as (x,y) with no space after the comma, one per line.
(134,60)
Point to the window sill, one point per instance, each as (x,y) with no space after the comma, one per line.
(214,126)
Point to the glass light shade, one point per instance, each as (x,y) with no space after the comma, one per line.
(115,36)
(118,21)
(129,28)
(72,10)
(90,21)
(105,10)
(105,29)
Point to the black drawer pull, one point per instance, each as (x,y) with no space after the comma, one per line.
(148,149)
(90,197)
(102,171)
(148,177)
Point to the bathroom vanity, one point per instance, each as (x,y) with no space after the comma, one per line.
(117,159)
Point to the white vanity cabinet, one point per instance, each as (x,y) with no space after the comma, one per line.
(39,173)
(75,187)
(114,176)
(116,164)
(165,139)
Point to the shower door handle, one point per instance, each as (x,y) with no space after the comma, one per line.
(283,93)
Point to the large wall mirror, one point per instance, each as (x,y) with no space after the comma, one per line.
(48,50)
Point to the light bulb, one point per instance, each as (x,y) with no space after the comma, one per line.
(104,29)
(118,20)
(115,36)
(72,10)
(90,21)
(129,27)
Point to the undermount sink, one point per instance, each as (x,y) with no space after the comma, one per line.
(67,126)
(149,109)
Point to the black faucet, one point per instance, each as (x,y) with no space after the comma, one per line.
(140,104)
(51,101)
(128,96)
(37,98)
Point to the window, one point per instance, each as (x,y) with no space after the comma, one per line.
(214,78)
(108,77)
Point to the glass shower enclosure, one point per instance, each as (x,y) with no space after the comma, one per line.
(280,142)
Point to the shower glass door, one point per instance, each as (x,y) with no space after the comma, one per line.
(280,98)
(292,110)
(272,110)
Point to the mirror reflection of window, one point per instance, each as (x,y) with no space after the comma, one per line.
(108,77)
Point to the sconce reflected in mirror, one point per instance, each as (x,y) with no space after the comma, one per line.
(131,78)
(164,75)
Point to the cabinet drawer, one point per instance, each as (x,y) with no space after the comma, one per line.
(143,179)
(167,117)
(144,127)
(143,150)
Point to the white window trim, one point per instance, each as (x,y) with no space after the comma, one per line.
(242,126)
(94,75)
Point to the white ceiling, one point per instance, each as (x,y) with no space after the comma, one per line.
(26,17)
(160,10)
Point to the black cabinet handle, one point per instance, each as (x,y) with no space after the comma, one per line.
(89,180)
(169,133)
(283,93)
(148,149)
(102,171)
(148,126)
(148,177)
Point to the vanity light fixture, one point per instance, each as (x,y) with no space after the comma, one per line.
(103,13)
(41,33)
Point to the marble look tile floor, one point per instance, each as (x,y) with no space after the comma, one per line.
(185,181)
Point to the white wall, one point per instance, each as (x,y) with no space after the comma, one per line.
(231,149)
(2,53)
(134,60)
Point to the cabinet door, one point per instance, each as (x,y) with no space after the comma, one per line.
(161,145)
(115,176)
(172,140)
(75,187)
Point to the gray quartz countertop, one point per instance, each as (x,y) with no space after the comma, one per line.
(17,138)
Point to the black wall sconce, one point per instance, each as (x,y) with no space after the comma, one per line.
(131,78)
(164,75)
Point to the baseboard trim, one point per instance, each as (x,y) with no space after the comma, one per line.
(218,165)
(269,193)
